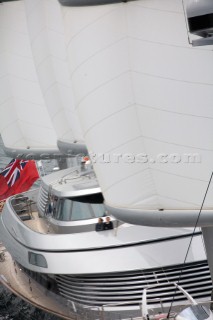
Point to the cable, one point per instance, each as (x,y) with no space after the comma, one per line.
(198,217)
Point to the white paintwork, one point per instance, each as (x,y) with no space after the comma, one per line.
(85,240)
(19,239)
(71,182)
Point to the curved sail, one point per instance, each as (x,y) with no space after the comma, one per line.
(144,97)
(24,122)
(49,52)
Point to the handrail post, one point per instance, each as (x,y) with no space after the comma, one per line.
(102,313)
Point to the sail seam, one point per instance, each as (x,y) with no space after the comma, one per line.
(95,54)
(178,175)
(100,86)
(37,35)
(195,205)
(170,44)
(17,54)
(90,24)
(123,144)
(22,78)
(107,117)
(137,72)
(135,4)
(38,65)
(126,178)
(34,124)
(177,144)
(152,180)
(173,112)
(142,40)
(5,101)
(8,28)
(33,7)
(54,83)
(157,194)
(29,101)
(172,79)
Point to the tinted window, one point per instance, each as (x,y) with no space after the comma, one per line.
(81,211)
(69,210)
(37,259)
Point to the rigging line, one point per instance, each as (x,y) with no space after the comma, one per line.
(198,217)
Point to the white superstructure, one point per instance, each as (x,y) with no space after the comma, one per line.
(98,268)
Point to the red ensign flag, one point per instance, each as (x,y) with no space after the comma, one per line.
(17,177)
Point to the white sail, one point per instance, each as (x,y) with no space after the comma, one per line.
(49,52)
(144,98)
(24,122)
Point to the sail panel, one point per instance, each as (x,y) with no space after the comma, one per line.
(48,47)
(143,95)
(24,122)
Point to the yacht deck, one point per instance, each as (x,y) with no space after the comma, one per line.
(39,224)
(19,283)
(13,278)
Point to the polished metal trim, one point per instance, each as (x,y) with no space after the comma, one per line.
(133,283)
(80,3)
(119,287)
(75,193)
